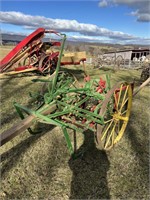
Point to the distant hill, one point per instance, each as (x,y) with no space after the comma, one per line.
(11,37)
(6,38)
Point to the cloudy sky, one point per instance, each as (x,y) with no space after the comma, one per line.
(114,21)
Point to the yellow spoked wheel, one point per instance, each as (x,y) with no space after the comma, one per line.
(116,110)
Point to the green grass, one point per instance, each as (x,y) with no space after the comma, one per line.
(39,167)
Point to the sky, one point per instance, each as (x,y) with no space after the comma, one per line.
(104,21)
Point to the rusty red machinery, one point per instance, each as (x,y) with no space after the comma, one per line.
(31,54)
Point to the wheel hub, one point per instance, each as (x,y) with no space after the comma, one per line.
(117,116)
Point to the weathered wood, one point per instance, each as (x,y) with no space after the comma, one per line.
(18,72)
(9,134)
(143,85)
(73,58)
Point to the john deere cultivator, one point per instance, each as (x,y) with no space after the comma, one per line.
(34,54)
(95,106)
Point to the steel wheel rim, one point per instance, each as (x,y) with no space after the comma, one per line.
(115,123)
(45,65)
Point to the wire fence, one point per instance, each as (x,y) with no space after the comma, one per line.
(117,62)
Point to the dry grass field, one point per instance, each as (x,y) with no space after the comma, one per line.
(4,50)
(39,166)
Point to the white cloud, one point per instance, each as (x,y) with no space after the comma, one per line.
(32,22)
(90,39)
(140,7)
(86,31)
(141,17)
(103,3)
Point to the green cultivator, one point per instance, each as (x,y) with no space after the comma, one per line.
(95,106)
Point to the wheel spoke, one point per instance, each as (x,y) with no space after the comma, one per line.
(119,96)
(124,98)
(118,127)
(108,121)
(45,68)
(124,112)
(112,132)
(107,130)
(124,102)
(113,137)
(115,100)
(115,122)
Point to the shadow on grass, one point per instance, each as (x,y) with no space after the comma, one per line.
(18,76)
(17,90)
(12,156)
(10,93)
(89,179)
(9,115)
(105,69)
(140,145)
(78,73)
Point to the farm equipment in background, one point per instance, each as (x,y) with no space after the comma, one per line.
(33,54)
(94,106)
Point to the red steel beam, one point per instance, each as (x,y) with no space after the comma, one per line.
(30,38)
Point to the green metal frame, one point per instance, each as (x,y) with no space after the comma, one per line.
(73,104)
